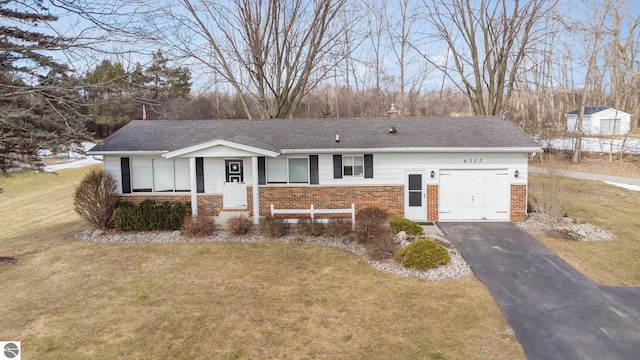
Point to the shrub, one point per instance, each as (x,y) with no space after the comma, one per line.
(239,225)
(273,227)
(401,224)
(547,193)
(150,215)
(369,222)
(381,246)
(338,227)
(422,255)
(96,197)
(198,226)
(308,227)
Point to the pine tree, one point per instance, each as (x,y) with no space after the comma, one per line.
(39,108)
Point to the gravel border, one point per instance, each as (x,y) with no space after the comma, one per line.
(575,229)
(457,268)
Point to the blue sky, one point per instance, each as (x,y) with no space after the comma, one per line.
(129,51)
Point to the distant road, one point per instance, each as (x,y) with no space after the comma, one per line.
(592,176)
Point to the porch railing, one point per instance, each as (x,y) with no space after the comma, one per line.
(312,211)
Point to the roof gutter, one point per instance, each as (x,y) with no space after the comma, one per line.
(416,149)
(120,153)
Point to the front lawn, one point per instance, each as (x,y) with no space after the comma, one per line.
(611,208)
(66,298)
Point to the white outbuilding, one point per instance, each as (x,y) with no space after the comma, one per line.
(600,120)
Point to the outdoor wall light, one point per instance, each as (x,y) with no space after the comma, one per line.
(433,174)
(517,173)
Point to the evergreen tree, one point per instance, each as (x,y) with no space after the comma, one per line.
(39,108)
(165,81)
(110,103)
(116,95)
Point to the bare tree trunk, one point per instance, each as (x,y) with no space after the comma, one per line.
(490,37)
(594,50)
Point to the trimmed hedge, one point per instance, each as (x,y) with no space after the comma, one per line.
(150,215)
(422,255)
(401,224)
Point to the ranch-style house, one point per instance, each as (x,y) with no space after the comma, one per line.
(423,169)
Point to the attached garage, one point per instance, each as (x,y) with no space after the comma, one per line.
(481,194)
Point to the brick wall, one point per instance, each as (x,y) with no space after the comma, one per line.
(432,202)
(390,198)
(518,202)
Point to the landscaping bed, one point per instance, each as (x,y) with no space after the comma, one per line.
(456,268)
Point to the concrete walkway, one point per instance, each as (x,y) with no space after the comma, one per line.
(592,176)
(555,311)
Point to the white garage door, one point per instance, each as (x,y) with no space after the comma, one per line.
(473,195)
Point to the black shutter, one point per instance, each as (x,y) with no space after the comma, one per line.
(262,170)
(337,166)
(199,175)
(126,175)
(368,166)
(314,178)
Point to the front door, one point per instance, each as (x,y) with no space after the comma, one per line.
(415,202)
(234,193)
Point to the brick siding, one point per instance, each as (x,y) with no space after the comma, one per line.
(518,202)
(390,198)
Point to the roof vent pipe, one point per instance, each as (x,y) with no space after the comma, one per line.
(337,138)
(392,130)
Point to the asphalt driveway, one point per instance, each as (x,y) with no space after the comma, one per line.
(555,311)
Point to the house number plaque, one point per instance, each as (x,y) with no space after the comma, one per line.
(473,161)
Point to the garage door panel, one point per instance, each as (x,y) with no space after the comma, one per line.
(473,195)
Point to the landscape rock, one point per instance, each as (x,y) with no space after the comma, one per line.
(457,267)
(401,236)
(97,233)
(566,228)
(176,234)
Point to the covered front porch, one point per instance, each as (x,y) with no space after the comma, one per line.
(228,169)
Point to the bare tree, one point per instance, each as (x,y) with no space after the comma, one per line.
(272,53)
(488,41)
(593,35)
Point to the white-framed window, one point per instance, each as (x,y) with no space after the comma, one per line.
(353,166)
(160,175)
(293,170)
(141,175)
(277,170)
(299,170)
(182,176)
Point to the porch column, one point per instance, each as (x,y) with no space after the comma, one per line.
(194,186)
(256,195)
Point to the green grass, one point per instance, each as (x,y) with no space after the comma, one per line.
(72,299)
(611,208)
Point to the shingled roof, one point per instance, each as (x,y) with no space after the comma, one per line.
(589,110)
(283,135)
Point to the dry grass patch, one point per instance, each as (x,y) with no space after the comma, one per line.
(67,298)
(610,208)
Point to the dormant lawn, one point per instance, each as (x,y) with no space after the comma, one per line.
(66,298)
